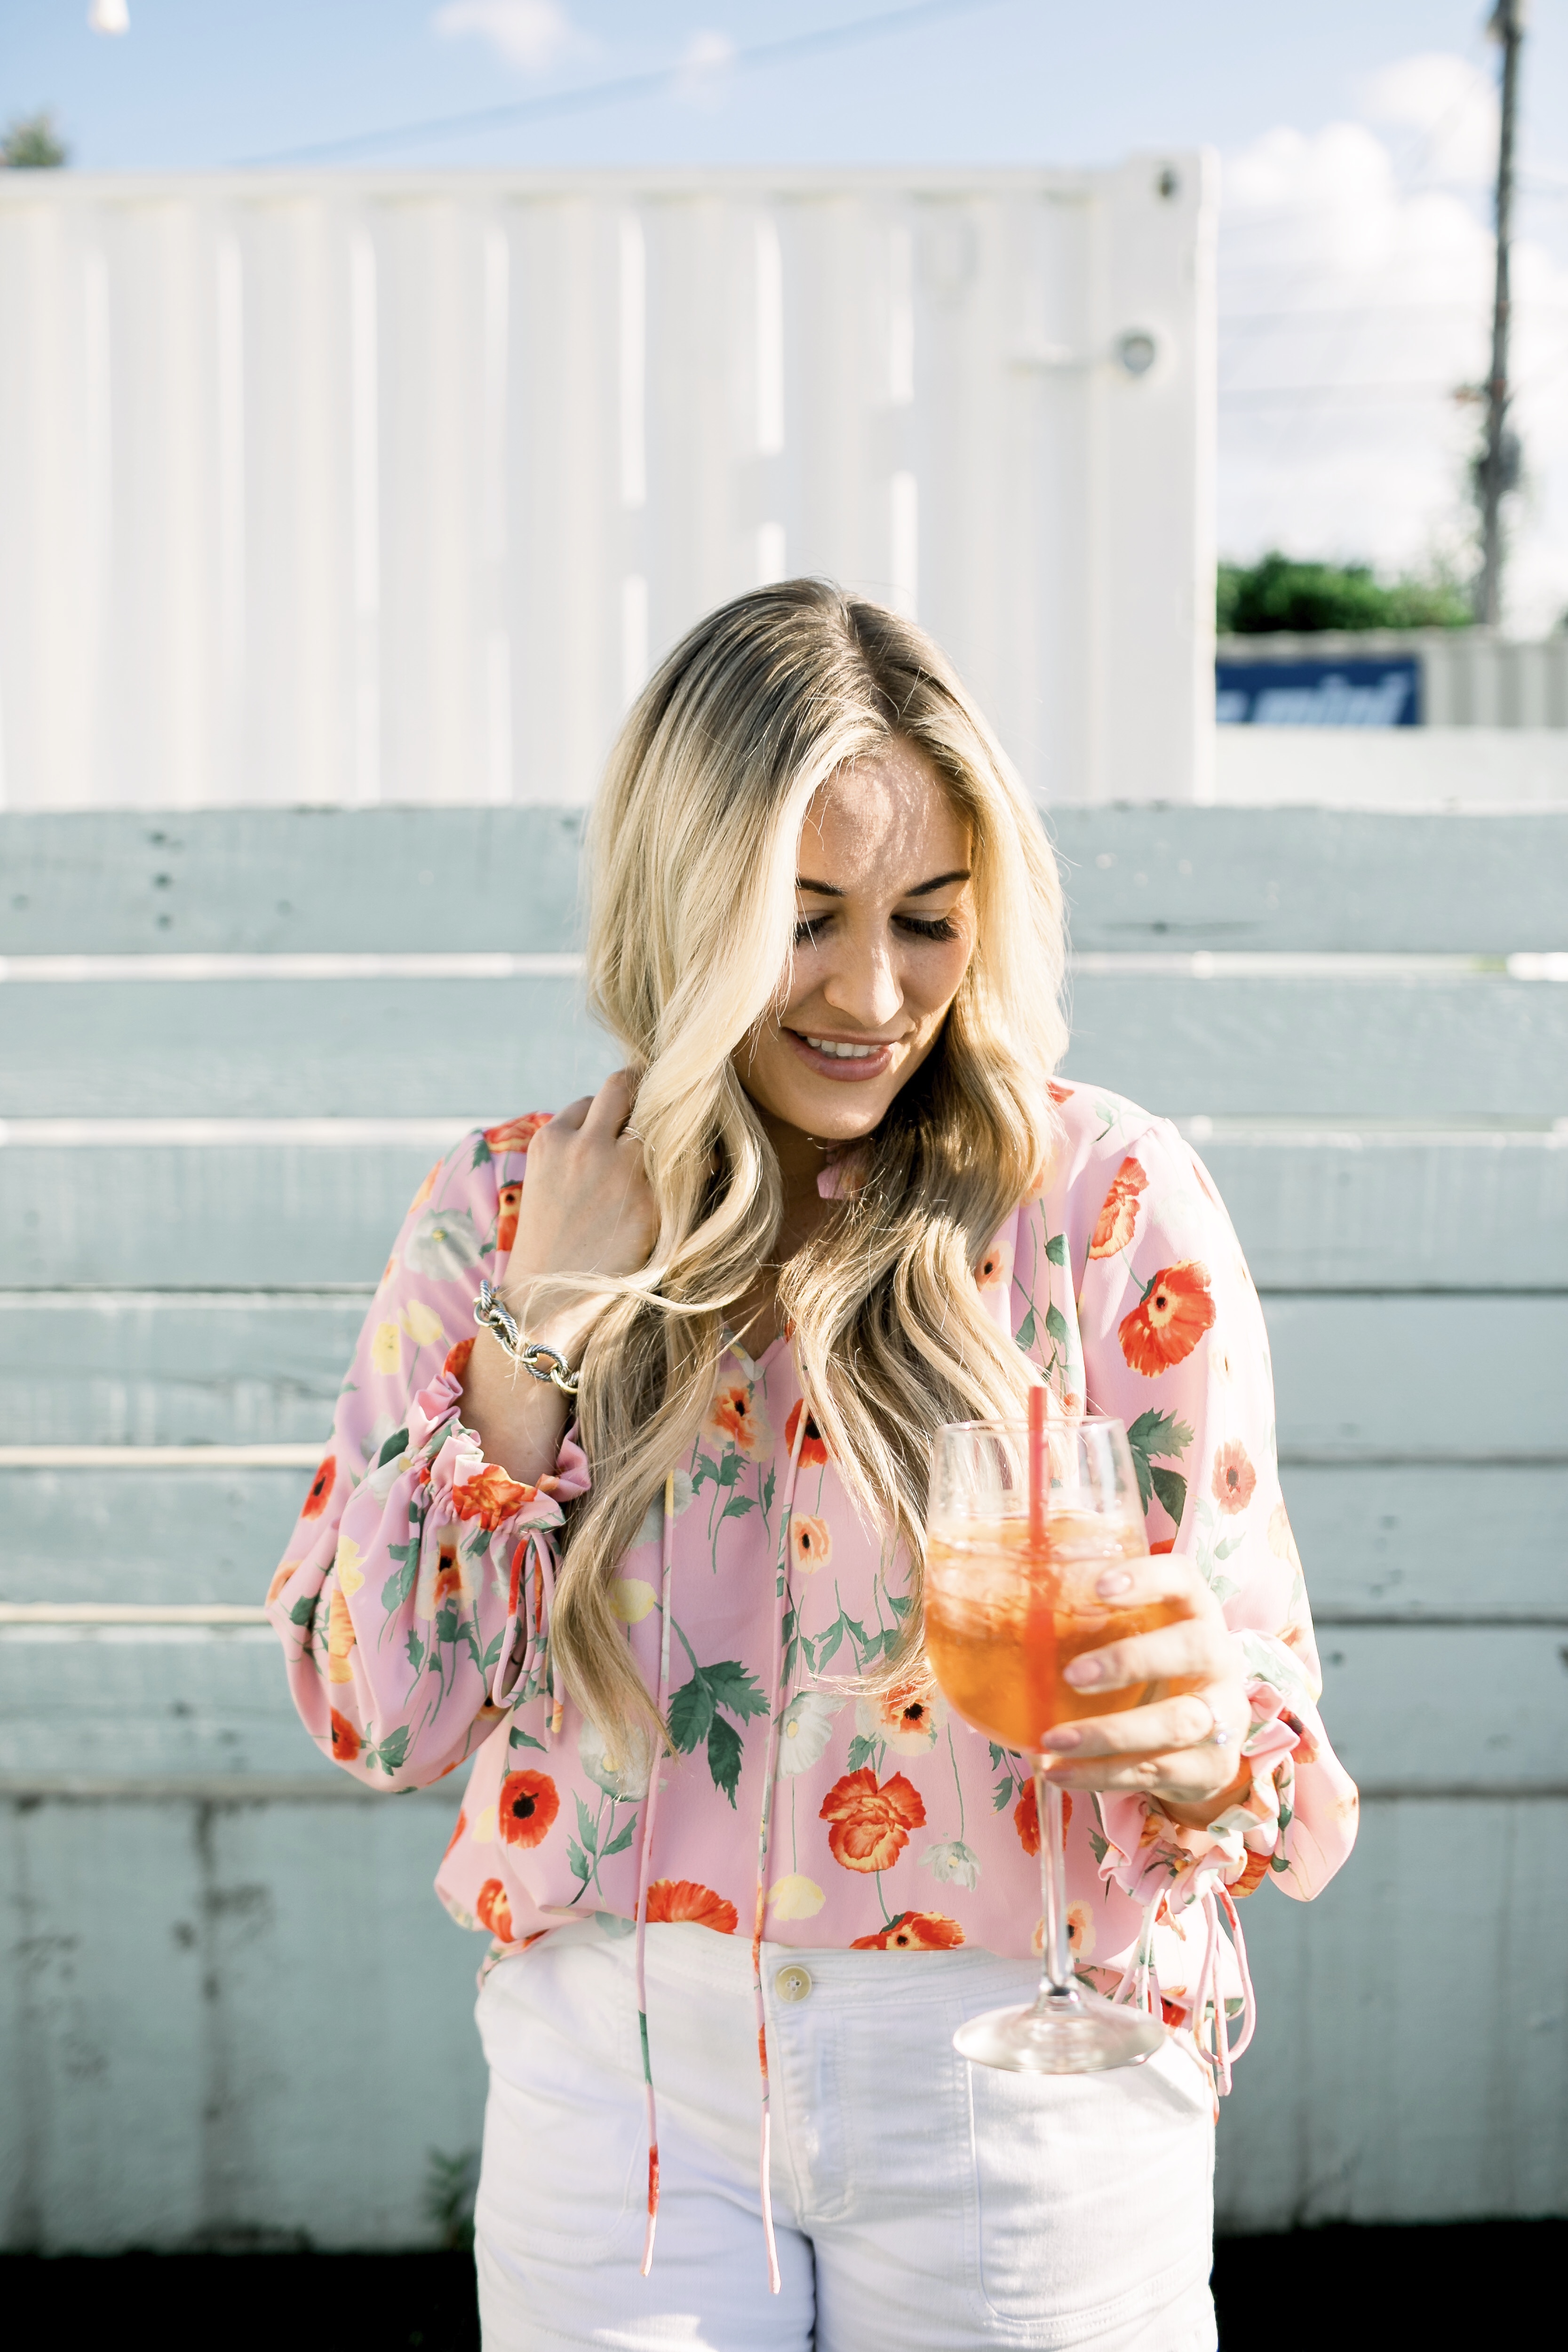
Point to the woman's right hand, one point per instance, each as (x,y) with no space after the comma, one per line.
(588,1208)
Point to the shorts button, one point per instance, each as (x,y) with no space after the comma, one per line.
(793,1983)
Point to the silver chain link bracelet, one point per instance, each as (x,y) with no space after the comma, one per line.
(540,1363)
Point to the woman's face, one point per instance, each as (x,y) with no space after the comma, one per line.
(884,928)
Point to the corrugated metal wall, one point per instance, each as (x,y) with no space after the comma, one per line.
(350,489)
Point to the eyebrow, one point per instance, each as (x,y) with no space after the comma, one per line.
(919,890)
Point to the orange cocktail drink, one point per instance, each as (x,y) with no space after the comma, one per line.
(1007,1610)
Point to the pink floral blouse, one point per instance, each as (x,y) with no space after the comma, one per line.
(415,1602)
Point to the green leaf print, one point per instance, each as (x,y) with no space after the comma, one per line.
(396,1589)
(724,1755)
(390,1754)
(620,1839)
(768,1492)
(1057,1249)
(694,1715)
(416,1650)
(586,1829)
(691,1713)
(303,1613)
(861,1752)
(1171,1489)
(1024,1335)
(447,1624)
(738,1505)
(521,1738)
(1003,1796)
(396,1444)
(1055,1326)
(576,1861)
(1157,1433)
(733,1687)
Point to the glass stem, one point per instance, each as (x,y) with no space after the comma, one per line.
(1056,1980)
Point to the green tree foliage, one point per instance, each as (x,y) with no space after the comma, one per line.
(1278,594)
(31,144)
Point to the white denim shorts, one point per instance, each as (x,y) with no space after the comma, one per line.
(922,2204)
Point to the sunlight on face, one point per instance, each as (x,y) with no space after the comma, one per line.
(885,931)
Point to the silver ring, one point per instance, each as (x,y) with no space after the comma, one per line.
(636,1133)
(1220,1735)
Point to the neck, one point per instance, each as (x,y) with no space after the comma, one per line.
(801,1158)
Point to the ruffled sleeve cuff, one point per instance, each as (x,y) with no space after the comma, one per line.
(1146,1854)
(518,1518)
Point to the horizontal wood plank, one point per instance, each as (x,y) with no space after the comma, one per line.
(1310,1047)
(228,881)
(1422,1379)
(1379,1541)
(301,879)
(1307,1046)
(293,1048)
(164,2001)
(1356,2103)
(1313,879)
(1417,1378)
(1380,1211)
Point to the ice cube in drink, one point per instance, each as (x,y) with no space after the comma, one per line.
(1006,1614)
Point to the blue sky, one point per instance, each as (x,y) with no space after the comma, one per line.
(1355,134)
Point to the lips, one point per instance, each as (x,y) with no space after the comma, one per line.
(844,1060)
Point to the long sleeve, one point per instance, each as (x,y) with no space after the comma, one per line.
(1174,1345)
(411,1599)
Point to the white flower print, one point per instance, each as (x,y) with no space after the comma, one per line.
(618,1776)
(805,1730)
(442,1243)
(952,1861)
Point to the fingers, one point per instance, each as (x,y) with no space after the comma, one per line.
(1186,1776)
(1197,1648)
(567,1120)
(1183,1720)
(1153,1576)
(611,1106)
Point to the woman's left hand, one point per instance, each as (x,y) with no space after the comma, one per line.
(1168,1748)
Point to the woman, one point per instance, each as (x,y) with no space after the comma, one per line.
(834,1200)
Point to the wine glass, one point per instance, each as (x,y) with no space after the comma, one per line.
(1024,1520)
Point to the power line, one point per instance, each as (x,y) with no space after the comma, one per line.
(589,95)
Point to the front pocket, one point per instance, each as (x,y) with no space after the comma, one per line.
(565,2147)
(1094,2193)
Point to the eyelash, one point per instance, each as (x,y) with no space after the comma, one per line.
(940,926)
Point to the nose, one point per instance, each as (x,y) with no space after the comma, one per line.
(863,986)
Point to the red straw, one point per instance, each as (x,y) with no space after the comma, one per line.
(1037,1465)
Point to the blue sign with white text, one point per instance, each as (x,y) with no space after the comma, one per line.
(1370,693)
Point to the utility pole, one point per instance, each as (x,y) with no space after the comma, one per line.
(1497,469)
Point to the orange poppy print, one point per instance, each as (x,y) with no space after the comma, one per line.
(320,1489)
(1119,1212)
(461,1825)
(810,1543)
(516,1134)
(913,1931)
(490,1497)
(510,1201)
(345,1738)
(813,1445)
(870,1825)
(526,1809)
(1058,1095)
(456,1362)
(734,1415)
(1234,1478)
(1175,1312)
(494,1911)
(1026,1819)
(1253,1876)
(448,1575)
(671,1901)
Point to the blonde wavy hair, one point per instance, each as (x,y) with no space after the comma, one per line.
(691,871)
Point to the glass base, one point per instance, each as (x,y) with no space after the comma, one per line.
(1074,2032)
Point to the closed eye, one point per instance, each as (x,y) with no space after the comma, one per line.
(922,927)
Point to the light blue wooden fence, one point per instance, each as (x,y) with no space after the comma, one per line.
(214,1942)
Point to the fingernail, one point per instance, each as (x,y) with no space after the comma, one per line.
(1115,1580)
(1082,1672)
(1069,1735)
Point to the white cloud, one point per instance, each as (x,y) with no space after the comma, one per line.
(531,33)
(1451,106)
(702,76)
(1355,298)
